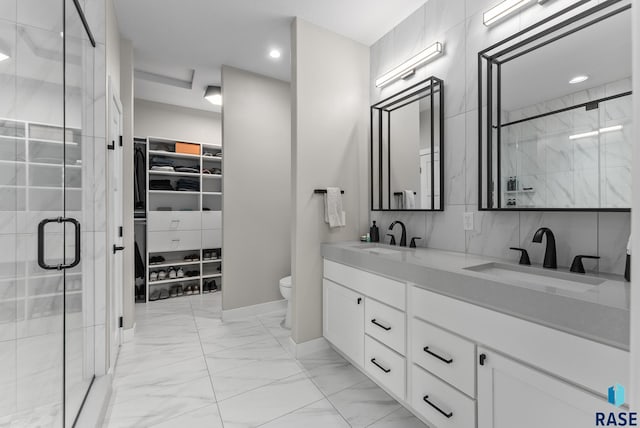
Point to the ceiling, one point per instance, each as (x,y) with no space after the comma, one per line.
(180,46)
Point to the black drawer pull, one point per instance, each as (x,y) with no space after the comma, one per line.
(433,354)
(426,400)
(384,327)
(373,360)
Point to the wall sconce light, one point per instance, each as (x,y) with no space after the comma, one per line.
(213,94)
(408,67)
(501,10)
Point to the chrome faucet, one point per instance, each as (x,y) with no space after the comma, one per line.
(550,260)
(403,238)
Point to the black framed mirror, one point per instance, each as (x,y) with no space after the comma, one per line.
(407,145)
(555,113)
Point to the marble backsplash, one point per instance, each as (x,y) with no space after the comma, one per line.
(458,23)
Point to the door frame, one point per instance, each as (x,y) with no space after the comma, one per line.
(115,287)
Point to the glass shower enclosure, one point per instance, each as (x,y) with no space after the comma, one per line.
(47,132)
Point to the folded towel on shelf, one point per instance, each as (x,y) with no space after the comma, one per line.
(409,199)
(333,213)
(160,185)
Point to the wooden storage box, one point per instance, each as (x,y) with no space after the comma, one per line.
(188,148)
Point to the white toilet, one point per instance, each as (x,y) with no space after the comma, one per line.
(285,290)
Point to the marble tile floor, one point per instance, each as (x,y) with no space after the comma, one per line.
(186,368)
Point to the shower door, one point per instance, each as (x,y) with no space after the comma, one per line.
(46,214)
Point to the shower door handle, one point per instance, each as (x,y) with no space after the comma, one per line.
(41,227)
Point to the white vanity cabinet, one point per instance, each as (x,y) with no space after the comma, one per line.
(459,365)
(343,321)
(511,394)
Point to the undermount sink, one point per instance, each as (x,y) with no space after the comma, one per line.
(375,249)
(523,276)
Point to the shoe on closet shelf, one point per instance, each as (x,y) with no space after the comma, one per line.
(164,294)
(179,290)
(172,273)
(162,275)
(155,295)
(173,291)
(153,276)
(180,273)
(196,289)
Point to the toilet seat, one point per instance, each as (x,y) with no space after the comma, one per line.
(286,282)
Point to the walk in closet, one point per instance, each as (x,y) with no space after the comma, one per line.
(179,211)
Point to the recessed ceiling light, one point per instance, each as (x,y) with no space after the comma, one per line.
(275,53)
(578,79)
(3,56)
(213,94)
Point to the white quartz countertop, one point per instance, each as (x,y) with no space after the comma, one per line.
(599,312)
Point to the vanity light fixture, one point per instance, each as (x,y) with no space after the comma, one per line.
(408,67)
(275,53)
(594,133)
(578,79)
(213,94)
(501,10)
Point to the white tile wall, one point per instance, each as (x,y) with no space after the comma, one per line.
(458,23)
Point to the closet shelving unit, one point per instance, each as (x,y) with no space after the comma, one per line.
(32,173)
(183,223)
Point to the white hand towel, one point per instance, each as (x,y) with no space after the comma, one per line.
(333,213)
(409,200)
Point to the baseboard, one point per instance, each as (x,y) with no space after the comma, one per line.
(95,407)
(301,350)
(128,334)
(251,311)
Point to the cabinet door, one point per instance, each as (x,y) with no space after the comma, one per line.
(343,322)
(511,395)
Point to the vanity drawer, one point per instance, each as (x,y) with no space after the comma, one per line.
(444,354)
(440,403)
(173,220)
(386,290)
(385,324)
(174,241)
(385,366)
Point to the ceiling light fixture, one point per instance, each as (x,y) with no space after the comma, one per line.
(275,53)
(594,133)
(3,56)
(408,67)
(578,79)
(501,10)
(213,94)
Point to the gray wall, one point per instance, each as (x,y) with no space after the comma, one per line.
(256,187)
(330,77)
(458,23)
(180,123)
